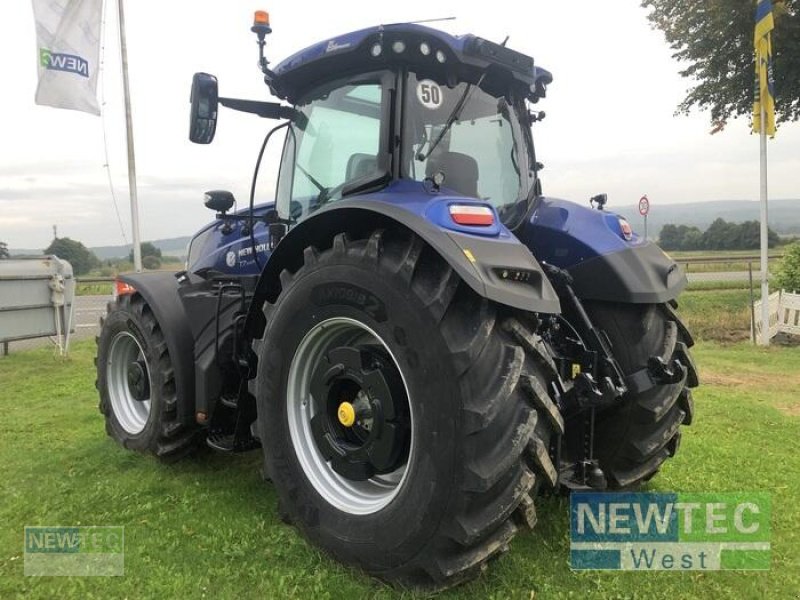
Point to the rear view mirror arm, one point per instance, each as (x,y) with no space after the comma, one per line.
(268,110)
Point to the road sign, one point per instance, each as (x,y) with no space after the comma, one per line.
(644,206)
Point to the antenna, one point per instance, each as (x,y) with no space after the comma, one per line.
(436,20)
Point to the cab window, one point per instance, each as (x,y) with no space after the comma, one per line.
(335,139)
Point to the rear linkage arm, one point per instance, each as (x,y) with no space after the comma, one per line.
(598,380)
(593,378)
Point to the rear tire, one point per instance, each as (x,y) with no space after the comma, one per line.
(136,383)
(480,417)
(633,440)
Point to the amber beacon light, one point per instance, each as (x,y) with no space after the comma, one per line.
(261,22)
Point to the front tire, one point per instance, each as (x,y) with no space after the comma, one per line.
(447,495)
(136,383)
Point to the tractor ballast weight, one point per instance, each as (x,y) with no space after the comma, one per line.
(420,340)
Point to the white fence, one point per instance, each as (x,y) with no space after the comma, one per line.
(784,315)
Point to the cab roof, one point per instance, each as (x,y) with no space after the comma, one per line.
(461,57)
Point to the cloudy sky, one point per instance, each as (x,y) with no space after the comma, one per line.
(609,126)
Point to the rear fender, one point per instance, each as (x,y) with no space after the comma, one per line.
(488,265)
(591,246)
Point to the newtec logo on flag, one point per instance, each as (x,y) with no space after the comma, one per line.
(765,92)
(68,49)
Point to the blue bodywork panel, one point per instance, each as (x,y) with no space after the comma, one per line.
(565,234)
(232,253)
(558,232)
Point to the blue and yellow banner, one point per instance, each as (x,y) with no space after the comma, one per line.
(765,92)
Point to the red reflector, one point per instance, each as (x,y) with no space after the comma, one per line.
(467,214)
(627,231)
(121,288)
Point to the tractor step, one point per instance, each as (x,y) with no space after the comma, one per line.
(222,442)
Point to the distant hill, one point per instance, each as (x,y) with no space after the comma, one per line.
(784,215)
(169,247)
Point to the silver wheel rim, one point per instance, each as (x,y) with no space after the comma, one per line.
(132,414)
(353,497)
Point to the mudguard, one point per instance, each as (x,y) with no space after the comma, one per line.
(499,268)
(641,275)
(160,291)
(592,247)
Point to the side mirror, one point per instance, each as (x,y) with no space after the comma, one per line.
(204,99)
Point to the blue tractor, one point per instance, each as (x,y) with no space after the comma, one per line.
(419,340)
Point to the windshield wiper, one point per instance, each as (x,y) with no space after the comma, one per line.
(456,112)
(367,183)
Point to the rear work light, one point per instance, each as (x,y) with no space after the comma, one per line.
(469,214)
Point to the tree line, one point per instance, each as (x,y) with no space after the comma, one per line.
(720,235)
(84,260)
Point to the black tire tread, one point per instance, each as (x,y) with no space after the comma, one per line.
(500,423)
(634,440)
(175,438)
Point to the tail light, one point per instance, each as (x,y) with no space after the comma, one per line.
(627,231)
(470,214)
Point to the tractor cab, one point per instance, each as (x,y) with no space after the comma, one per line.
(400,104)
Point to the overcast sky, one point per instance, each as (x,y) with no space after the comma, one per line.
(609,126)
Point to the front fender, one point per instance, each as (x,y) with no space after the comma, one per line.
(160,291)
(498,268)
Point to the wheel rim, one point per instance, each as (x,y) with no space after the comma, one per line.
(365,493)
(129,382)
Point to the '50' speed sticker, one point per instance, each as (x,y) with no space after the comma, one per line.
(429,94)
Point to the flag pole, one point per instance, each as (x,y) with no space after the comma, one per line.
(764,233)
(123,48)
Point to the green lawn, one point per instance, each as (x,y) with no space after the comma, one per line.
(208,527)
(719,315)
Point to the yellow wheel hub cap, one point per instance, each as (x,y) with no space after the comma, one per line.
(346,414)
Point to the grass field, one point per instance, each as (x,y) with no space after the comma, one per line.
(719,315)
(208,527)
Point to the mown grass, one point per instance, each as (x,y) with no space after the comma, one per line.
(208,526)
(719,315)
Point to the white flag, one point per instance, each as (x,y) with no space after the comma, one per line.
(68,49)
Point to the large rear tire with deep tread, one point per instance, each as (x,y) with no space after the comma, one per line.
(131,332)
(481,416)
(633,440)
